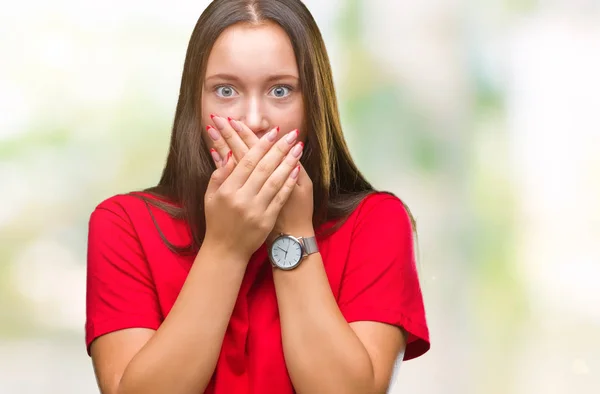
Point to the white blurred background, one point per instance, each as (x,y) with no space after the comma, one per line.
(483,116)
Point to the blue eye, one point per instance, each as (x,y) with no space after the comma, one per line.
(225,91)
(281,91)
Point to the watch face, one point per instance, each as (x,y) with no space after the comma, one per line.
(286,252)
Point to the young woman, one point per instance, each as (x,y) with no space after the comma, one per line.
(243,271)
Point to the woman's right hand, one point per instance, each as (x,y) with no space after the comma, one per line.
(242,201)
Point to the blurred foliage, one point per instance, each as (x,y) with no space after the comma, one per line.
(377,109)
(390,127)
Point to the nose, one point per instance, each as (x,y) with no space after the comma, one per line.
(254,117)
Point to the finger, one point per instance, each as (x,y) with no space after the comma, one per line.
(216,157)
(219,144)
(247,135)
(230,137)
(272,160)
(284,193)
(248,163)
(277,179)
(220,175)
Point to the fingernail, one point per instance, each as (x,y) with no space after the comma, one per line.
(292,135)
(272,135)
(236,126)
(219,122)
(214,134)
(297,150)
(212,116)
(215,156)
(295,172)
(227,158)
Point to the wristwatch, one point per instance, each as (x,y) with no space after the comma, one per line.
(287,252)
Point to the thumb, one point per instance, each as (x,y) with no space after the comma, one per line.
(220,174)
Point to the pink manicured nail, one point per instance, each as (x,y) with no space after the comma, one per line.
(297,150)
(235,125)
(272,135)
(291,137)
(214,134)
(216,157)
(219,122)
(295,172)
(227,158)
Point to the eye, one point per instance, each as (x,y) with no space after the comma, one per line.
(281,91)
(225,91)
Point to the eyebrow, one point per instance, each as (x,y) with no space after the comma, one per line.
(233,78)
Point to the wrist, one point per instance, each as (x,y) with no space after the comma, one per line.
(215,250)
(301,232)
(305,230)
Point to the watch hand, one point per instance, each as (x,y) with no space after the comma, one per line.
(286,252)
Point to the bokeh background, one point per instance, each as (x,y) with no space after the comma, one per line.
(484,116)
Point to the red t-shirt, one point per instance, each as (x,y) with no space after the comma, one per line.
(133,279)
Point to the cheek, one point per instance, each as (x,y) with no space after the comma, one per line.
(301,126)
(292,118)
(207,109)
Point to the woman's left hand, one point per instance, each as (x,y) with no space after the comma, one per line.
(295,217)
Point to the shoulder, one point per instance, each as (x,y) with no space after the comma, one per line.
(135,213)
(384,212)
(123,204)
(115,216)
(142,216)
(130,206)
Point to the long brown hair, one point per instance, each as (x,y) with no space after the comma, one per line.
(338,185)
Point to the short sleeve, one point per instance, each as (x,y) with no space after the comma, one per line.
(120,291)
(380,281)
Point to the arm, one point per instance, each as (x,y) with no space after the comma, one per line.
(181,355)
(323,353)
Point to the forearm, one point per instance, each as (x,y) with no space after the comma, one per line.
(182,354)
(322,352)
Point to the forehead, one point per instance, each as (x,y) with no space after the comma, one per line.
(250,51)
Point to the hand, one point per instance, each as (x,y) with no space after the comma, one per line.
(295,217)
(242,201)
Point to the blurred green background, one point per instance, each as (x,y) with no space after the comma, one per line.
(483,116)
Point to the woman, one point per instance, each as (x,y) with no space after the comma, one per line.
(243,271)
